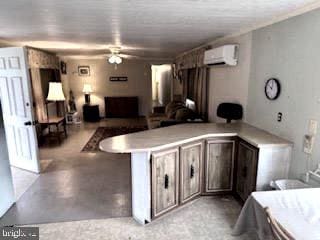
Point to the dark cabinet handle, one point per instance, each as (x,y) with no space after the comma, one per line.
(191,171)
(28,123)
(166,181)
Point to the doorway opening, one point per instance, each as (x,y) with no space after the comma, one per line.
(161,84)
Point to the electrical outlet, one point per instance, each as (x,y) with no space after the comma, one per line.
(308,144)
(279,118)
(313,127)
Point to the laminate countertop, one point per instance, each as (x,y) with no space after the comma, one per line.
(160,138)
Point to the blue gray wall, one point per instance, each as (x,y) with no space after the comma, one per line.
(289,51)
(6,186)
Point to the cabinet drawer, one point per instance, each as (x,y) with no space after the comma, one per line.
(219,165)
(191,170)
(165,181)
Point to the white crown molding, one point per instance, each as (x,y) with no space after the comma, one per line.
(276,19)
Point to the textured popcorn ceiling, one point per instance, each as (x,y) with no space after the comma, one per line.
(146,28)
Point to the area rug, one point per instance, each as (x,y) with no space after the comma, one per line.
(106,132)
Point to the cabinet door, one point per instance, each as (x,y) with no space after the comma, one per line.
(191,171)
(246,170)
(165,181)
(219,165)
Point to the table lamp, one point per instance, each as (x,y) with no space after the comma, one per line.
(87,90)
(55,94)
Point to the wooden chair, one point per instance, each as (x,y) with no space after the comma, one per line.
(278,232)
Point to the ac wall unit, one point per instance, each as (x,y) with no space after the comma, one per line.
(224,55)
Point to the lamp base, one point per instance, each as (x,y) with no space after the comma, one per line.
(87,98)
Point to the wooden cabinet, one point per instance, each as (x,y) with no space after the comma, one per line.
(246,170)
(165,181)
(91,113)
(214,165)
(191,159)
(219,165)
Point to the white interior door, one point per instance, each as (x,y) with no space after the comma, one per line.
(18,114)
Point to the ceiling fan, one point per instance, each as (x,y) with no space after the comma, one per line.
(115,57)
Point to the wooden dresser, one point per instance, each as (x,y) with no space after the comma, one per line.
(121,107)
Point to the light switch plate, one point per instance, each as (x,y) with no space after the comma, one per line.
(313,127)
(308,144)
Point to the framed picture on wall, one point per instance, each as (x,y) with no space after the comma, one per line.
(84,71)
(63,67)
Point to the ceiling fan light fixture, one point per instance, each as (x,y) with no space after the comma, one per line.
(115,59)
(118,60)
(112,59)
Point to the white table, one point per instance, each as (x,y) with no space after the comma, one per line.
(298,211)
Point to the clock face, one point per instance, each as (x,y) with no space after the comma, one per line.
(272,89)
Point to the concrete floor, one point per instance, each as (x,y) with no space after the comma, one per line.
(77,185)
(208,218)
(79,135)
(22,179)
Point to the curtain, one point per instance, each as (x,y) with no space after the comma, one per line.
(185,85)
(201,92)
(194,77)
(43,68)
(38,95)
(195,87)
(192,59)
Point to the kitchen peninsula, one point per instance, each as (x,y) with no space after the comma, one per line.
(173,165)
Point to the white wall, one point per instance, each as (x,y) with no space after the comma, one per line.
(289,51)
(138,84)
(230,84)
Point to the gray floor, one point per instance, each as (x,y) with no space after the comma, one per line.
(77,185)
(209,218)
(22,179)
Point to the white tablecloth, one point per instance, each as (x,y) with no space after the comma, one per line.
(298,211)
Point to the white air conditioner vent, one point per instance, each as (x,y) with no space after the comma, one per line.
(224,55)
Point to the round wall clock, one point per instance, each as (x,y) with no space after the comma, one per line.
(272,89)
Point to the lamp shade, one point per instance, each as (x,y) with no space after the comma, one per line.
(87,88)
(55,92)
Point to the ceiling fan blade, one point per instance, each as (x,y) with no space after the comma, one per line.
(127,56)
